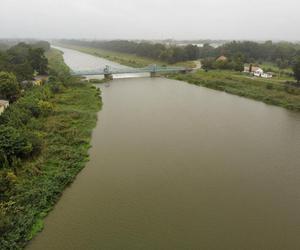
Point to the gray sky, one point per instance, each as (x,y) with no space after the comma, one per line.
(155,19)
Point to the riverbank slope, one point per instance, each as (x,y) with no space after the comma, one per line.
(31,191)
(271,91)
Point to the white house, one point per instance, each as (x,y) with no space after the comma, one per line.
(3,105)
(257,71)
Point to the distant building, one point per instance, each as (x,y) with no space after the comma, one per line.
(222,59)
(257,71)
(267,75)
(37,81)
(252,69)
(3,105)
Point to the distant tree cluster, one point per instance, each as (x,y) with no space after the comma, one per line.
(282,53)
(23,60)
(157,51)
(236,64)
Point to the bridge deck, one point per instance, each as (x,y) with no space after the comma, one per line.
(108,71)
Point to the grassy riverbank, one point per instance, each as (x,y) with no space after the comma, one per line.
(29,192)
(271,91)
(122,58)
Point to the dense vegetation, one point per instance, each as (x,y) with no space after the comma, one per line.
(157,51)
(233,63)
(276,92)
(24,60)
(282,54)
(44,139)
(296,69)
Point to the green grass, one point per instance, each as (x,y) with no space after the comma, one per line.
(40,181)
(271,91)
(123,58)
(56,61)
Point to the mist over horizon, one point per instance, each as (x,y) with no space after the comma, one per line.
(155,20)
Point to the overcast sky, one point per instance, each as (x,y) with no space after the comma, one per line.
(155,19)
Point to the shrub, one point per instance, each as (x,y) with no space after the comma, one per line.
(46,108)
(13,145)
(56,87)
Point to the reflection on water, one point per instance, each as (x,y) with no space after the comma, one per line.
(176,166)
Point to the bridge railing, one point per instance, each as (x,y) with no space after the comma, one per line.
(109,70)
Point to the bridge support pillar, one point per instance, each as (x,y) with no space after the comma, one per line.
(108,76)
(153,74)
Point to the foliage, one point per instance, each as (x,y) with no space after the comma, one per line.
(228,64)
(296,69)
(280,53)
(44,138)
(23,60)
(38,60)
(59,71)
(157,51)
(9,87)
(13,145)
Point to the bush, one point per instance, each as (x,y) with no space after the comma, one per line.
(46,108)
(13,145)
(56,87)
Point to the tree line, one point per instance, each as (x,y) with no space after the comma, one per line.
(24,60)
(157,51)
(283,54)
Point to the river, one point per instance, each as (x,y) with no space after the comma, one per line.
(176,166)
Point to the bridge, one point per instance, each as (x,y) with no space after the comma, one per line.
(108,71)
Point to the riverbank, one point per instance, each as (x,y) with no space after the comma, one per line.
(123,58)
(270,91)
(30,192)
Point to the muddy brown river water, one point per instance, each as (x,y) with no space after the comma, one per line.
(176,166)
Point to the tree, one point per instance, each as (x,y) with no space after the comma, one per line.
(9,87)
(207,63)
(296,69)
(38,60)
(18,61)
(192,52)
